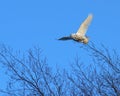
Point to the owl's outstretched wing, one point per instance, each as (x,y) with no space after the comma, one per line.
(84,26)
(65,38)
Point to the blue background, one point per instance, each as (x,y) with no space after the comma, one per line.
(28,23)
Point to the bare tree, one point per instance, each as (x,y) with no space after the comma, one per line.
(30,75)
(99,78)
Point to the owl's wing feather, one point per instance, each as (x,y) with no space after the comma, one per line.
(65,38)
(84,26)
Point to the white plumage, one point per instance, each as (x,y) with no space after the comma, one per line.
(80,36)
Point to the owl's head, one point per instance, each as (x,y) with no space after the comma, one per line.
(85,40)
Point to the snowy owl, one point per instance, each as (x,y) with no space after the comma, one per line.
(80,36)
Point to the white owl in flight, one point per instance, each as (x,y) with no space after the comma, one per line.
(80,35)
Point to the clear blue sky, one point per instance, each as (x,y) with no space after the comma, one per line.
(27,23)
